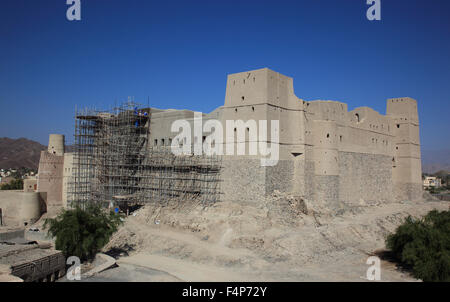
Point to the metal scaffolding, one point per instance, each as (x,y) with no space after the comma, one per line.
(113,163)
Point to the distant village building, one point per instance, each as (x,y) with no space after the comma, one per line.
(30,184)
(431,182)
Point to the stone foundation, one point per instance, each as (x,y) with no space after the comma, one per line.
(365,178)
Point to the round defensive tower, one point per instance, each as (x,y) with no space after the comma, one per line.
(56,144)
(326,163)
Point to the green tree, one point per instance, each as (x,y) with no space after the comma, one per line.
(83,232)
(424,245)
(15,184)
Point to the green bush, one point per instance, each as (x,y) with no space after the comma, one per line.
(424,245)
(15,184)
(82,233)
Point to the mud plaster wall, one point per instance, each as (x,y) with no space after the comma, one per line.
(51,178)
(365,178)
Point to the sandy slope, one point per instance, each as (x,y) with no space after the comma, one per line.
(275,241)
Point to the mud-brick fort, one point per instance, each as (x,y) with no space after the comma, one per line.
(328,155)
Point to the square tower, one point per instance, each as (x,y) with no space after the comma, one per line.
(406,168)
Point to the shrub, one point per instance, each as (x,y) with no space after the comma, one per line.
(15,184)
(424,245)
(82,232)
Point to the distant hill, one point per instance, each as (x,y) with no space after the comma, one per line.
(435,160)
(18,153)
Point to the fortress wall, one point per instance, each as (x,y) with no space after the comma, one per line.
(67,176)
(328,110)
(325,147)
(30,185)
(161,122)
(408,191)
(327,153)
(56,144)
(364,178)
(352,153)
(267,95)
(50,178)
(404,108)
(245,86)
(326,172)
(243,180)
(407,170)
(308,177)
(326,191)
(362,130)
(353,139)
(19,207)
(282,177)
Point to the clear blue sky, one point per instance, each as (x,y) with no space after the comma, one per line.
(178,53)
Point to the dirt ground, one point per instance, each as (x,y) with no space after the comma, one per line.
(281,239)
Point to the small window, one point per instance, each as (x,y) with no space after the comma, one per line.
(253,108)
(204,138)
(357,117)
(398,125)
(156,142)
(162,142)
(328,135)
(242,98)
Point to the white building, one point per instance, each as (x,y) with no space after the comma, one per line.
(431,181)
